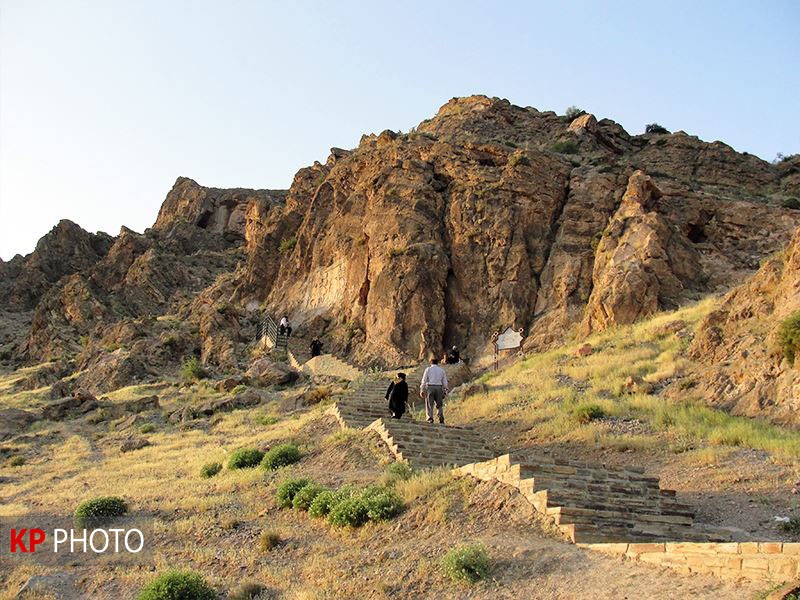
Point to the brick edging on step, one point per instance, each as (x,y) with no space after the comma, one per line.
(756,561)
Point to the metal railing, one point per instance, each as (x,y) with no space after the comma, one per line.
(268,330)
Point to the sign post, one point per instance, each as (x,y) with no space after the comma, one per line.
(508,340)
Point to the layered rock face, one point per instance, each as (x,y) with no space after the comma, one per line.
(487,216)
(740,365)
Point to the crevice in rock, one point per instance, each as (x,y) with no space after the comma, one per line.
(363,293)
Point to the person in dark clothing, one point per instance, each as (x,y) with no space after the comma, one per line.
(453,357)
(397,395)
(316,347)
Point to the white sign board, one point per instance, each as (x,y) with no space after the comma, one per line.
(509,339)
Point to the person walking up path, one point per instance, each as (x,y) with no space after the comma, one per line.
(434,388)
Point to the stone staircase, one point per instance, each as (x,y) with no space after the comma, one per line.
(425,445)
(366,402)
(596,504)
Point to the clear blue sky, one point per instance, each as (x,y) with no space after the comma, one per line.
(103,103)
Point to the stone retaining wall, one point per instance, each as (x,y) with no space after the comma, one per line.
(757,561)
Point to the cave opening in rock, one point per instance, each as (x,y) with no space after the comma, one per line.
(697,233)
(204,220)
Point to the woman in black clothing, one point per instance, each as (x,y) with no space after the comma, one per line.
(397,395)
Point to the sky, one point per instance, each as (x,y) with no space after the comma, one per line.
(104,103)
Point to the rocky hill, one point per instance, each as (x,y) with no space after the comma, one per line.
(486,216)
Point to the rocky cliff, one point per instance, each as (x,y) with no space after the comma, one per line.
(486,216)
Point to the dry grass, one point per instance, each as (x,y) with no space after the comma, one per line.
(539,397)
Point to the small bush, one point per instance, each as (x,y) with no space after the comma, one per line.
(306,495)
(269,540)
(468,562)
(208,470)
(792,203)
(245,458)
(322,504)
(239,389)
(566,147)
(288,489)
(573,112)
(350,512)
(382,503)
(281,456)
(16,461)
(147,428)
(792,526)
(287,245)
(266,420)
(192,369)
(249,591)
(394,472)
(100,511)
(584,413)
(177,585)
(789,336)
(655,128)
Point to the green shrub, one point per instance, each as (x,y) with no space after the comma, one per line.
(573,112)
(382,503)
(789,336)
(245,458)
(566,147)
(239,389)
(266,420)
(249,591)
(655,128)
(350,512)
(281,456)
(322,504)
(208,470)
(147,428)
(177,585)
(269,540)
(16,461)
(468,562)
(394,472)
(792,203)
(586,412)
(288,489)
(306,495)
(100,511)
(287,245)
(192,369)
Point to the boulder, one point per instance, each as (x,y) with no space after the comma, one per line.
(15,420)
(585,122)
(266,372)
(671,328)
(60,389)
(132,444)
(584,350)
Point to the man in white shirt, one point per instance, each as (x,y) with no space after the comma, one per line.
(434,388)
(285,327)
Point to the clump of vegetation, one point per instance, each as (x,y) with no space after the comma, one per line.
(325,501)
(288,490)
(573,112)
(266,420)
(395,252)
(245,458)
(655,128)
(287,245)
(306,495)
(147,428)
(99,511)
(587,412)
(792,526)
(468,562)
(316,395)
(350,512)
(394,472)
(177,585)
(192,369)
(519,158)
(793,203)
(239,389)
(566,147)
(16,461)
(249,591)
(269,540)
(208,470)
(789,336)
(281,456)
(345,507)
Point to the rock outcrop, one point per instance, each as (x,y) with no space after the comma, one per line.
(741,367)
(487,216)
